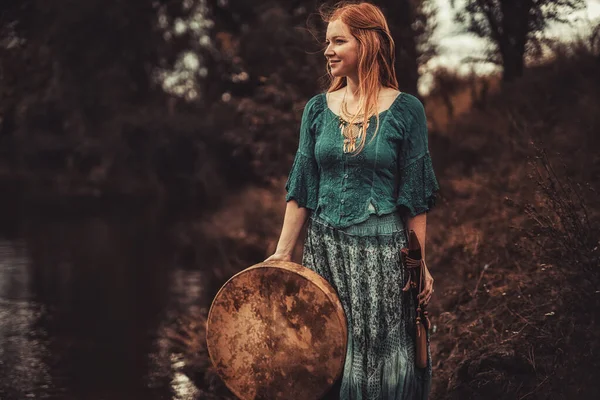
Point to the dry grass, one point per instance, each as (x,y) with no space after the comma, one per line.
(188,338)
(516,241)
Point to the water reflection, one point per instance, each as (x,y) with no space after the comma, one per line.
(83,302)
(22,351)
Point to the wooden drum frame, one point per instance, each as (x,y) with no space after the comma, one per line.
(277,330)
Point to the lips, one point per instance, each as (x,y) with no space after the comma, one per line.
(334,62)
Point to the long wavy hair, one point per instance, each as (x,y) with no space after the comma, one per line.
(376,56)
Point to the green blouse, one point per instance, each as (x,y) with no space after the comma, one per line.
(393,171)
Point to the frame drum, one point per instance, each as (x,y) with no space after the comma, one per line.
(277,330)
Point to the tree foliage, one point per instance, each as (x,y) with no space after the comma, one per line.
(515,27)
(190,96)
(81,111)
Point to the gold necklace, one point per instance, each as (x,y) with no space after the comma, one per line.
(350,131)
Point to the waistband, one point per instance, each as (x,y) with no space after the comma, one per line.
(375,225)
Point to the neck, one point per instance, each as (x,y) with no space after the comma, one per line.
(352,87)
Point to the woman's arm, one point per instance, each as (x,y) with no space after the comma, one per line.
(302,186)
(418,223)
(293,221)
(418,184)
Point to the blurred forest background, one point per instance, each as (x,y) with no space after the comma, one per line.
(194,105)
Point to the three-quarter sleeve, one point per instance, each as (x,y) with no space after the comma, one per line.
(417,182)
(303,180)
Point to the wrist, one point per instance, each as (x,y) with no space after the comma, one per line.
(283,252)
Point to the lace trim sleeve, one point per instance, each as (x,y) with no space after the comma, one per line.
(418,186)
(303,180)
(302,184)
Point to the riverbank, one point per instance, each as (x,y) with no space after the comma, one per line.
(512,243)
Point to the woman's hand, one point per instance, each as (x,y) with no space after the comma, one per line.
(279,257)
(425,295)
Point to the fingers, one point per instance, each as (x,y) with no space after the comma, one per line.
(425,296)
(278,257)
(407,286)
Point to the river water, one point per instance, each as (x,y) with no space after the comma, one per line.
(85,304)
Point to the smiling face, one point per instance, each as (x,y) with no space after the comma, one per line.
(342,49)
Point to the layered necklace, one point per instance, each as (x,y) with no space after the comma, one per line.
(350,131)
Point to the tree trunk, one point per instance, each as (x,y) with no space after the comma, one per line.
(513,37)
(513,65)
(400,16)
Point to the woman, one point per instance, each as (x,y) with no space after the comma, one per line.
(364,175)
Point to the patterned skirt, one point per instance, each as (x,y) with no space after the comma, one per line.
(362,262)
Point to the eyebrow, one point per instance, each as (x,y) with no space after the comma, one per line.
(337,36)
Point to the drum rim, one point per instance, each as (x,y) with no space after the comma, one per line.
(301,270)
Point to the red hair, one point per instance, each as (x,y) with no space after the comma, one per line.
(376,55)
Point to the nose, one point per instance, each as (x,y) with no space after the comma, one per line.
(328,52)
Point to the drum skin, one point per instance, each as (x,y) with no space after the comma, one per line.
(277,330)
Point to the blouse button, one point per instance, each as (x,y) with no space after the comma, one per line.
(346,176)
(343,189)
(343,201)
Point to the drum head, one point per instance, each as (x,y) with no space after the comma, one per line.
(277,330)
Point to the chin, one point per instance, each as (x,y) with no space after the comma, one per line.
(338,74)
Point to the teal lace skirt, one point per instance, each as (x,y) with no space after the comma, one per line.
(363,264)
